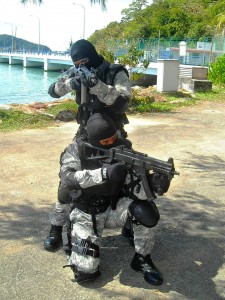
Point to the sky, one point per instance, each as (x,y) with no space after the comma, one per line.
(60,20)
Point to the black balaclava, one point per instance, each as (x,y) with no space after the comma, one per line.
(84,49)
(100,127)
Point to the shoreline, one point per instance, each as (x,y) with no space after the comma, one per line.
(34,106)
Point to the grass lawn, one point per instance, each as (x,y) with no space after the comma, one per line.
(143,100)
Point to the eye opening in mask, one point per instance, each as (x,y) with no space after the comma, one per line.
(108,141)
(81,62)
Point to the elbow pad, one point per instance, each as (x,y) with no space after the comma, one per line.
(120,105)
(51,91)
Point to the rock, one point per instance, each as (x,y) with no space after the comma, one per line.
(66,115)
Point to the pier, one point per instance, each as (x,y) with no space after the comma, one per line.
(45,62)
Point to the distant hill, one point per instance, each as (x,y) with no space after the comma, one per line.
(20,44)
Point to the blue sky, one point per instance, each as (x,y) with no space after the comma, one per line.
(60,20)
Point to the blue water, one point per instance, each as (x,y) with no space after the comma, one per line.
(25,85)
(149,71)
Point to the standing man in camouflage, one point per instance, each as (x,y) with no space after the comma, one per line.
(108,92)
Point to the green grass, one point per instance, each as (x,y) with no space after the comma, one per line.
(160,102)
(16,120)
(151,101)
(67,105)
(168,102)
(217,94)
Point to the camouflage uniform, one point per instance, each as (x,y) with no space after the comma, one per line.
(82,228)
(82,223)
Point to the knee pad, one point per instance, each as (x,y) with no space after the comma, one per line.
(85,247)
(144,212)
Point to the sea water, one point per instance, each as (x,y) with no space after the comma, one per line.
(25,85)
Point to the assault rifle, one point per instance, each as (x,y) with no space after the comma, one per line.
(90,76)
(140,163)
(78,73)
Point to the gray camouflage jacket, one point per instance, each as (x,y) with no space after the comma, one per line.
(115,95)
(72,173)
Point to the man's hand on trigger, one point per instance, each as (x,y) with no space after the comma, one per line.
(159,182)
(75,84)
(89,79)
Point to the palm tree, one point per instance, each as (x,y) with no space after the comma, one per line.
(39,2)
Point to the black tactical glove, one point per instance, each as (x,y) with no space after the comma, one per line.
(116,172)
(89,79)
(75,84)
(51,91)
(68,180)
(159,182)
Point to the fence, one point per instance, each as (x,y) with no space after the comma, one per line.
(198,52)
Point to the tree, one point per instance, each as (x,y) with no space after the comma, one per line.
(39,2)
(133,11)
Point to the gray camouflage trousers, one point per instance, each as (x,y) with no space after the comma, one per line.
(82,227)
(60,214)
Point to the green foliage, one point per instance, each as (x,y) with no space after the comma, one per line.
(149,100)
(106,39)
(108,55)
(132,56)
(134,9)
(181,19)
(217,71)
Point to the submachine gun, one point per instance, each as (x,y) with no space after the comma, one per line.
(140,163)
(82,73)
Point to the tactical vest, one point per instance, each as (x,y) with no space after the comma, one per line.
(98,198)
(106,73)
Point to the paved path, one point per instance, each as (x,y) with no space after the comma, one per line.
(189,247)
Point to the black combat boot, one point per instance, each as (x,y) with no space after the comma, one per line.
(81,277)
(144,264)
(54,239)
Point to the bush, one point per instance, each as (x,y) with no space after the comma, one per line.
(217,71)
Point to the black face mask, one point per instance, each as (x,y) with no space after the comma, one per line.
(84,49)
